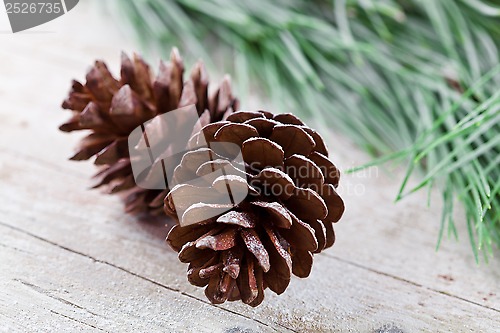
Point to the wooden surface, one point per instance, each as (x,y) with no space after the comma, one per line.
(71,261)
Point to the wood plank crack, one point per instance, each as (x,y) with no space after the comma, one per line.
(78,321)
(15,249)
(47,293)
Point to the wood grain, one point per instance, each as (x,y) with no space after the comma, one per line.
(71,261)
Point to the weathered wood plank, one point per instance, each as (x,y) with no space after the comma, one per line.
(68,243)
(338,296)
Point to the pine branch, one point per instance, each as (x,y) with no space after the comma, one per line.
(415,77)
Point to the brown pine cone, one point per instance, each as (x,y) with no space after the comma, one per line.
(286,217)
(111,109)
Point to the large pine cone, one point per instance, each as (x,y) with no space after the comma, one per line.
(111,109)
(286,217)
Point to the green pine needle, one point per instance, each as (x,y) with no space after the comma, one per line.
(414,79)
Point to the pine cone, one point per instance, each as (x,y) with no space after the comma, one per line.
(286,217)
(112,108)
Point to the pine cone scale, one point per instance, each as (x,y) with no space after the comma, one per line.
(293,140)
(301,234)
(254,244)
(263,153)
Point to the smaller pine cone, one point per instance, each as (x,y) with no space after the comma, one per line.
(287,216)
(111,109)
